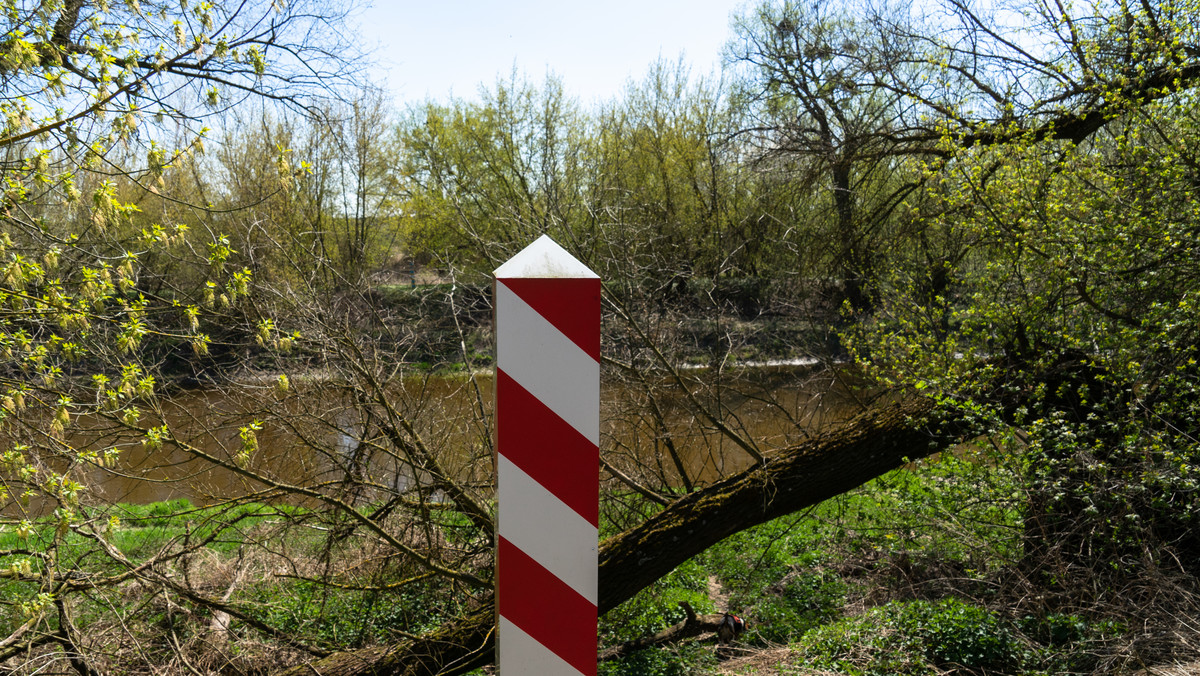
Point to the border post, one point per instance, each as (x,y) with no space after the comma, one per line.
(547,323)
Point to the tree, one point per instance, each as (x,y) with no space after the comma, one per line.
(1077,291)
(661,187)
(310,196)
(1055,175)
(820,114)
(86,337)
(79,77)
(481,177)
(846,95)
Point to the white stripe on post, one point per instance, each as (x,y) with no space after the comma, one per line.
(517,647)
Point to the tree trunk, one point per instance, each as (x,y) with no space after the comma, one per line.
(790,480)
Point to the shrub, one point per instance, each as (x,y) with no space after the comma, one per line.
(681,661)
(804,601)
(954,632)
(915,637)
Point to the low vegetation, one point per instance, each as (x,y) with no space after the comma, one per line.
(917,572)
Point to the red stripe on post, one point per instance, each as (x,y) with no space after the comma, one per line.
(546,448)
(544,607)
(571,305)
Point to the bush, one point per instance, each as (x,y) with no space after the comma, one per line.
(915,637)
(681,661)
(804,601)
(956,633)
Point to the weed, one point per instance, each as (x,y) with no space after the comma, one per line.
(915,637)
(679,661)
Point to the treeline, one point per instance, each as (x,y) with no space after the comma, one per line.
(669,191)
(676,182)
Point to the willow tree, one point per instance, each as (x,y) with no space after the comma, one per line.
(481,177)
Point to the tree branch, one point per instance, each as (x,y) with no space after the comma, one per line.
(693,625)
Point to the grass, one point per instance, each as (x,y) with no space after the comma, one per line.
(142,530)
(138,532)
(346,618)
(266,561)
(147,528)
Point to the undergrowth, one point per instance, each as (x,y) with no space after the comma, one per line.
(918,572)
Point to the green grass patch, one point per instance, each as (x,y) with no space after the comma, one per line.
(145,529)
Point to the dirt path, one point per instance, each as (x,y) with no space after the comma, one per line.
(717,593)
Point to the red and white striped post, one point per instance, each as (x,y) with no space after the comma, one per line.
(547,462)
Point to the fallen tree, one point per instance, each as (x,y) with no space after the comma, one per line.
(692,625)
(875,442)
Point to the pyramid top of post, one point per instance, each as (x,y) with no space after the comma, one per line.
(544,259)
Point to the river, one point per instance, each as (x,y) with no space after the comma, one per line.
(319,437)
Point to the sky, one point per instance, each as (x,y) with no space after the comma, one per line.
(438,49)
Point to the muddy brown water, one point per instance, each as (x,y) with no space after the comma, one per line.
(317,438)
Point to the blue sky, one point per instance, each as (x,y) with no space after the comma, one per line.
(433,48)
